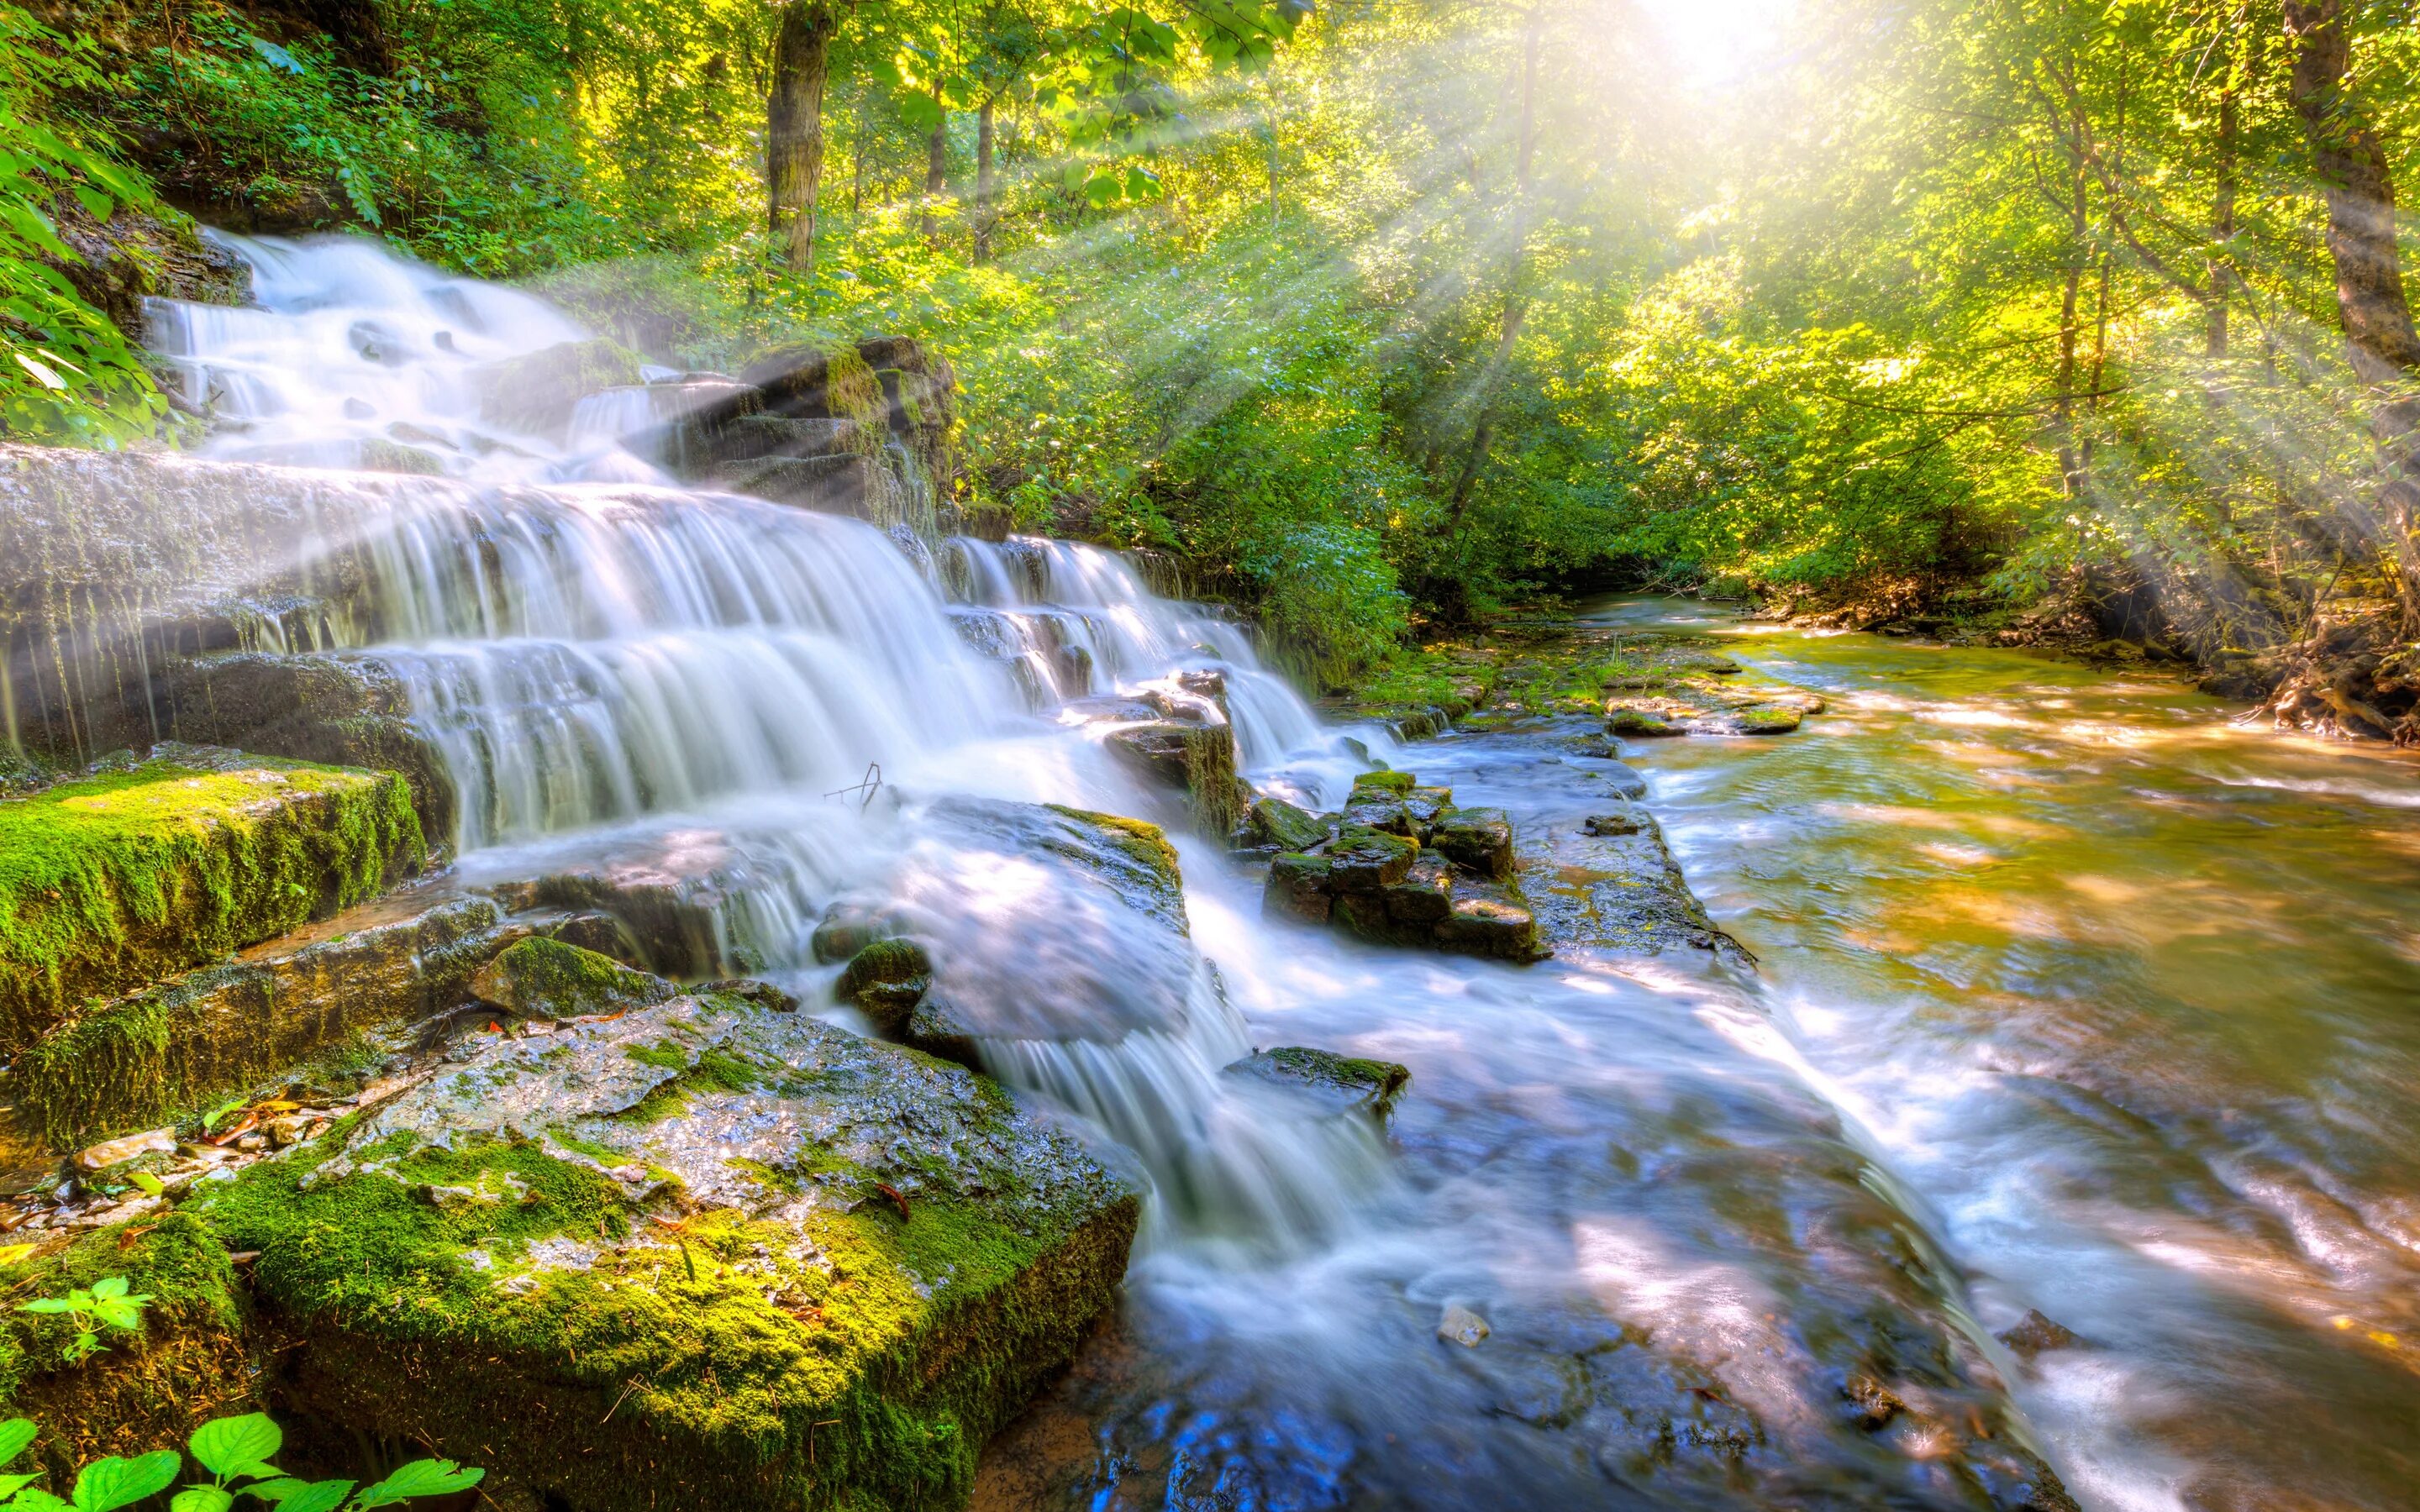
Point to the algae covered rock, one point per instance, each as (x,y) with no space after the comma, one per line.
(744,1254)
(178,1045)
(1365,860)
(1334,1084)
(1289,828)
(1766,721)
(539,978)
(1629,721)
(1480,839)
(536,394)
(886,979)
(137,873)
(1196,759)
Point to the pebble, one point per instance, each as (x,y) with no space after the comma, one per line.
(1460,1325)
(111,1151)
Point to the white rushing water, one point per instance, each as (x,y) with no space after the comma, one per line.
(610,664)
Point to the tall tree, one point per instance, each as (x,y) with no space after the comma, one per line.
(794,125)
(1515,311)
(2371,306)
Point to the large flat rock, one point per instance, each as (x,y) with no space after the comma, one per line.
(145,869)
(702,1248)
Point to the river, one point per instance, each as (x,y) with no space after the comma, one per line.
(2080,997)
(2074,997)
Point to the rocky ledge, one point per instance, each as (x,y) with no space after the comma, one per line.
(1400,865)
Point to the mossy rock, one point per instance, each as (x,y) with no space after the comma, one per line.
(1133,854)
(125,876)
(138,1060)
(194,1358)
(1622,722)
(1773,722)
(1287,826)
(887,979)
(1332,1082)
(1196,759)
(742,1253)
(1397,783)
(1364,860)
(539,978)
(1478,839)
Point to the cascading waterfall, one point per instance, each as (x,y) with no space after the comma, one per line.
(622,663)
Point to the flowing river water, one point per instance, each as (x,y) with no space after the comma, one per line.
(2074,997)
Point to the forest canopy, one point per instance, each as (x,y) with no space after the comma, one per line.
(1374,315)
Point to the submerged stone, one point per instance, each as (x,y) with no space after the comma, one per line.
(2034,1333)
(1297,887)
(887,978)
(744,1254)
(539,978)
(1766,721)
(127,875)
(536,394)
(1491,918)
(1335,1084)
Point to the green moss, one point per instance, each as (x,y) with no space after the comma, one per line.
(123,877)
(884,962)
(1144,843)
(1637,722)
(546,978)
(1767,721)
(1393,783)
(191,1360)
(718,1345)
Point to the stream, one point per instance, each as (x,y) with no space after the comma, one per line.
(2074,997)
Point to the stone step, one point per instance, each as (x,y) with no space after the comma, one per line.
(179,1045)
(137,872)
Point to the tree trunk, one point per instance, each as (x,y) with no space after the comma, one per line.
(2222,224)
(794,126)
(986,191)
(937,163)
(1516,305)
(2370,301)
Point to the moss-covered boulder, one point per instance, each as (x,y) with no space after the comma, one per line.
(1288,827)
(1773,720)
(539,978)
(1478,838)
(172,1047)
(886,979)
(192,1359)
(1364,861)
(1326,1081)
(130,875)
(1198,760)
(1623,720)
(704,1246)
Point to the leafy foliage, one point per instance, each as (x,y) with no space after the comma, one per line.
(234,1453)
(107,1304)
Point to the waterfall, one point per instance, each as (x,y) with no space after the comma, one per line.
(605,663)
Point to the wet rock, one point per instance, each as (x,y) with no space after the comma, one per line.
(1425,896)
(1624,823)
(1625,780)
(843,483)
(540,978)
(110,1152)
(2035,1333)
(887,978)
(1490,918)
(1384,781)
(1459,1325)
(940,1028)
(1298,887)
(536,394)
(1198,760)
(130,875)
(1765,721)
(1333,1082)
(344,711)
(849,927)
(836,1243)
(1628,721)
(1479,838)
(1276,822)
(1366,861)
(179,1044)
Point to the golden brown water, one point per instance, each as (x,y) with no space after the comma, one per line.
(2128,995)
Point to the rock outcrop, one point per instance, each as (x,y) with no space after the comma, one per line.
(1405,866)
(137,871)
(696,1244)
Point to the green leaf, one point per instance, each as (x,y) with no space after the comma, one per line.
(15,1435)
(150,1184)
(12,1485)
(43,376)
(422,1478)
(229,1445)
(110,1286)
(45,1305)
(201,1499)
(118,1312)
(113,1482)
(35,1499)
(316,1496)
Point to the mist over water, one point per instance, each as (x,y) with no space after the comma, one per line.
(2074,998)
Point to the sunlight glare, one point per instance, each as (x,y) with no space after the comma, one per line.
(1719,42)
